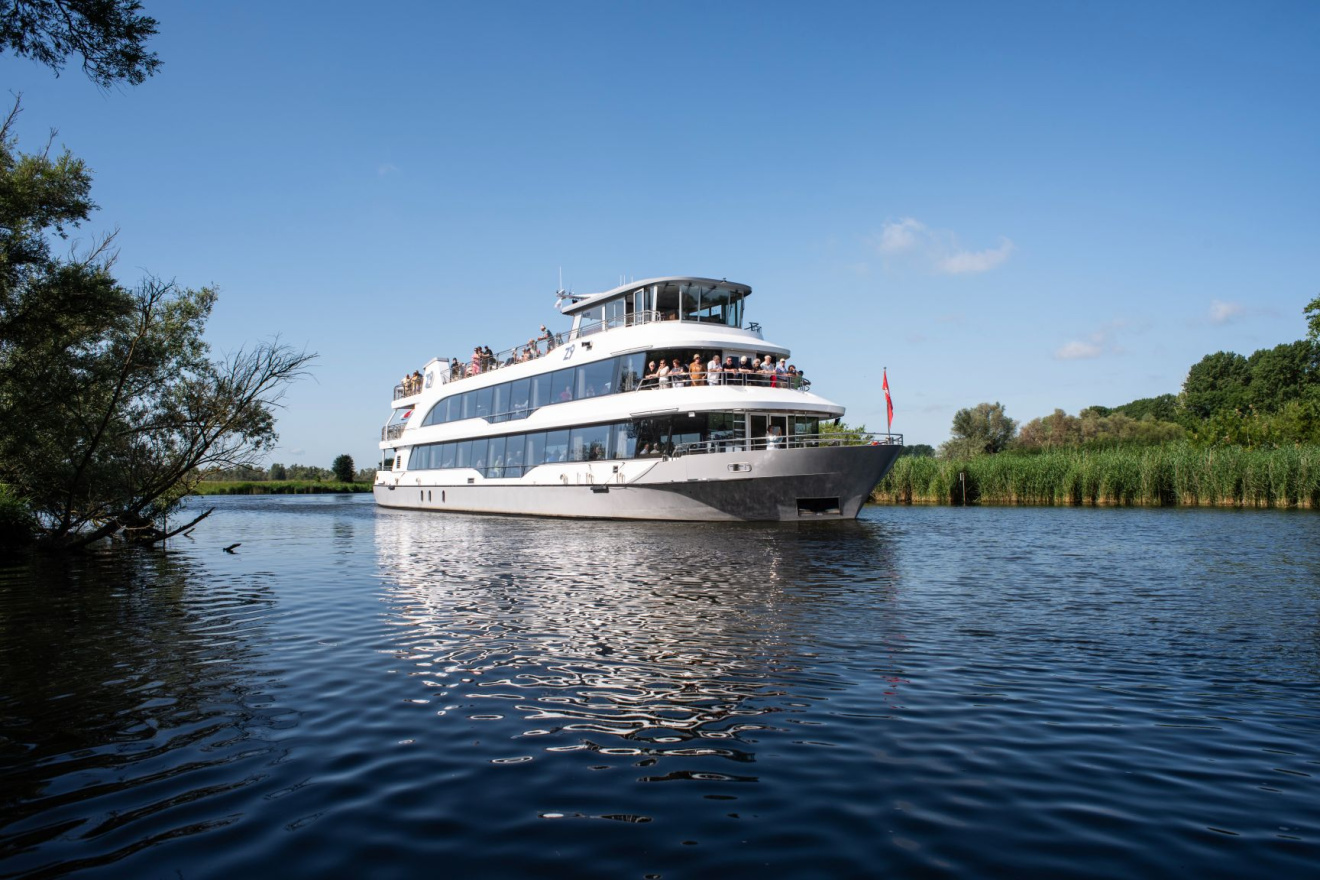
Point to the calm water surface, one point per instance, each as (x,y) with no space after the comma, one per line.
(926,692)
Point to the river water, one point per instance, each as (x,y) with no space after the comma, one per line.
(925,692)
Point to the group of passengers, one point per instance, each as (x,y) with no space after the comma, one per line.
(411,384)
(484,360)
(745,371)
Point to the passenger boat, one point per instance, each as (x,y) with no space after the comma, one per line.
(583,423)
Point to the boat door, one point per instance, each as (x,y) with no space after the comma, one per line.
(768,431)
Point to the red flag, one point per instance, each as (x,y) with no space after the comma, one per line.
(889,401)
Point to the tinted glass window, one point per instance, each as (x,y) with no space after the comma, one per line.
(520,397)
(469,406)
(556,446)
(463,454)
(479,448)
(561,386)
(590,443)
(447,452)
(594,379)
(540,390)
(499,400)
(631,369)
(514,454)
(535,447)
(624,441)
(495,457)
(482,396)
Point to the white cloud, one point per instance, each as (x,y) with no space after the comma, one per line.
(1075,350)
(938,248)
(1101,342)
(964,262)
(1224,312)
(896,238)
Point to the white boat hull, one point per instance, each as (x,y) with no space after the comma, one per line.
(828,482)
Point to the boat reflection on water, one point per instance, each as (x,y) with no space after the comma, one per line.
(627,638)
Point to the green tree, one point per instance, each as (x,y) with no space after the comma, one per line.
(344,469)
(1286,372)
(1217,383)
(110,406)
(110,35)
(277,472)
(983,429)
(1312,312)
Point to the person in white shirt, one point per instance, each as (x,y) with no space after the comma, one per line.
(714,372)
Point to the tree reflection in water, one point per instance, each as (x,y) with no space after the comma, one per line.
(111,667)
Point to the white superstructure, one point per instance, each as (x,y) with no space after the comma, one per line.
(585,423)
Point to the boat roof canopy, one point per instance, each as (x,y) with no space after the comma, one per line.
(581,302)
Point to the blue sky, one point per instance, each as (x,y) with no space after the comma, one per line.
(1042,204)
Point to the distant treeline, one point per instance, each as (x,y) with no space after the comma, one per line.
(277,487)
(294,472)
(1174,474)
(1243,432)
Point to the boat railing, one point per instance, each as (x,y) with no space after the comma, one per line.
(393,432)
(794,441)
(543,345)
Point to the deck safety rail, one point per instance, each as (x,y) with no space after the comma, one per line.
(542,346)
(795,441)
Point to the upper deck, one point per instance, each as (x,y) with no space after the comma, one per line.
(690,300)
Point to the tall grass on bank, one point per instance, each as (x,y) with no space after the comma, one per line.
(1156,476)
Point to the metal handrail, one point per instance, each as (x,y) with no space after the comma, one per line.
(542,346)
(795,441)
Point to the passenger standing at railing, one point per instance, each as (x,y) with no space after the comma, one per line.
(652,378)
(477,357)
(417,382)
(697,371)
(768,371)
(548,338)
(730,371)
(744,369)
(714,372)
(662,375)
(678,375)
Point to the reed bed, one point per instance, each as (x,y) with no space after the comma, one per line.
(1172,475)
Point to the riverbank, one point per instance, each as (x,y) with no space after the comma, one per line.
(1175,475)
(276,487)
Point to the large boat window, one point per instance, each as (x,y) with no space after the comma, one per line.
(556,446)
(594,379)
(499,402)
(463,453)
(561,385)
(495,457)
(514,456)
(535,448)
(589,443)
(624,440)
(631,369)
(615,313)
(479,449)
(520,398)
(541,390)
(591,320)
(482,402)
(715,305)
